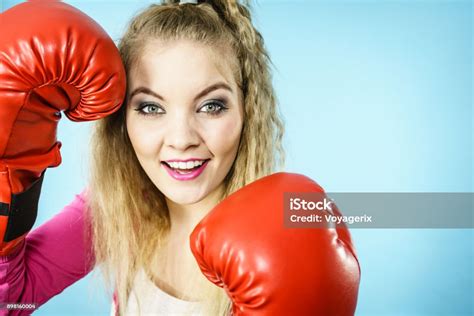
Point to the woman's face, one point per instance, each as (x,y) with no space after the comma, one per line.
(184,117)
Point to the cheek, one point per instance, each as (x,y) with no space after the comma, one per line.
(143,136)
(223,139)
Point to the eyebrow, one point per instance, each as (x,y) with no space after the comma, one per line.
(215,86)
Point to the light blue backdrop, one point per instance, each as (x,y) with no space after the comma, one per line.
(377,97)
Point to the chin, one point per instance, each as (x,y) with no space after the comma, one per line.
(183,198)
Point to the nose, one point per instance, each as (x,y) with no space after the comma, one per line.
(181,133)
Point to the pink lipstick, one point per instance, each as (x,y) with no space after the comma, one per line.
(184,174)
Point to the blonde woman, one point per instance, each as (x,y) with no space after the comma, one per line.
(181,197)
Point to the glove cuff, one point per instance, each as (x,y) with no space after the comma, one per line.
(18,217)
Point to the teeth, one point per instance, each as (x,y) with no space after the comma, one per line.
(185,165)
(197,163)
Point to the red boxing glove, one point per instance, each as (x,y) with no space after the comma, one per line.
(53,58)
(268,269)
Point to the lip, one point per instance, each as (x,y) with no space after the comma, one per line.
(185,160)
(188,176)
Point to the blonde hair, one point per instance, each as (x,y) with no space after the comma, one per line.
(129,216)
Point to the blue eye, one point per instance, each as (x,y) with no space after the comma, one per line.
(213,108)
(149,109)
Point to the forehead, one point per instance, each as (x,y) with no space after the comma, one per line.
(165,63)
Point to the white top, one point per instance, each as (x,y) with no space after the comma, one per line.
(151,300)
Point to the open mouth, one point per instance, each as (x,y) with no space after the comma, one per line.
(185,167)
(185,170)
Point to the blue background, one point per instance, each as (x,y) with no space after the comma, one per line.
(377,97)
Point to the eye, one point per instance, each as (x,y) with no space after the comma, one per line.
(149,109)
(213,107)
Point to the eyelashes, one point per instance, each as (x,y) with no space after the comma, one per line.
(148,109)
(211,108)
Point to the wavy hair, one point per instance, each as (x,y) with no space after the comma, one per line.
(129,216)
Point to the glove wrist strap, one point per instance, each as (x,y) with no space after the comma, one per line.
(21,213)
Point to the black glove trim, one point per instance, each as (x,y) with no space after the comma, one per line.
(3,209)
(23,211)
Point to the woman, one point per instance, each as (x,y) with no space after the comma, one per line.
(199,122)
(198,88)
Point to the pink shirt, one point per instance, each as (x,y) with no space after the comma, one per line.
(53,256)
